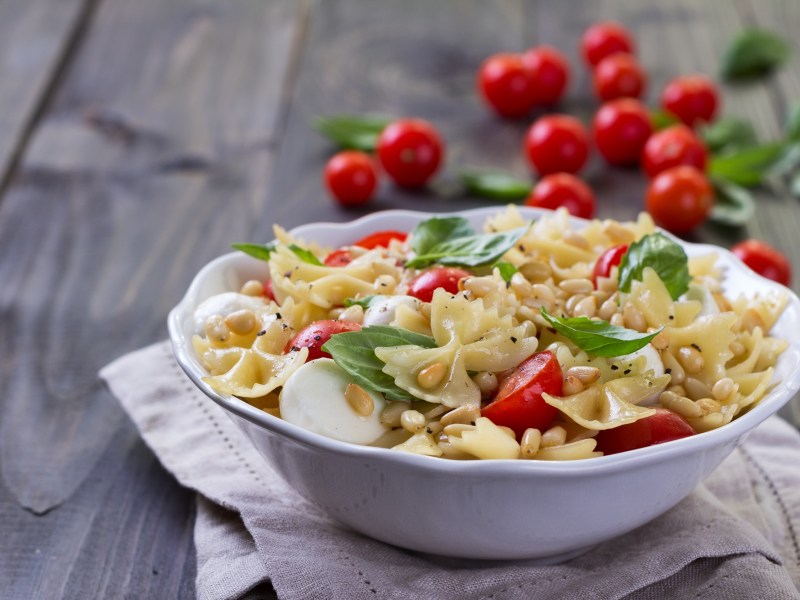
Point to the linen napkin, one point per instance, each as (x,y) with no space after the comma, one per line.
(734,537)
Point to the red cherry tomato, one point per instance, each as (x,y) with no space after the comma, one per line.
(563,189)
(664,426)
(672,147)
(691,98)
(410,151)
(269,292)
(621,129)
(550,72)
(764,260)
(518,403)
(607,260)
(338,258)
(604,39)
(427,282)
(557,143)
(679,199)
(507,85)
(380,238)
(315,335)
(351,177)
(619,76)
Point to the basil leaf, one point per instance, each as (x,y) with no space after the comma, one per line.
(747,167)
(305,255)
(352,132)
(728,133)
(470,251)
(495,185)
(259,251)
(364,302)
(660,253)
(793,123)
(354,351)
(599,337)
(661,119)
(506,269)
(437,230)
(734,205)
(753,53)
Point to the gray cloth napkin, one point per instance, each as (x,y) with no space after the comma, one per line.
(734,537)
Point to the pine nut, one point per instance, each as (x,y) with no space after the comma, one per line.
(359,400)
(535,271)
(412,421)
(708,406)
(677,389)
(465,415)
(555,436)
(354,314)
(737,348)
(544,293)
(673,367)
(691,359)
(723,389)
(384,284)
(633,318)
(586,307)
(390,415)
(432,375)
(480,286)
(572,385)
(521,286)
(486,382)
(660,342)
(586,375)
(696,389)
(607,309)
(252,287)
(680,404)
(241,322)
(576,286)
(531,440)
(216,329)
(608,285)
(618,320)
(575,239)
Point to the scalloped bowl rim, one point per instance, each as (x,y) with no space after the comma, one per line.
(781,393)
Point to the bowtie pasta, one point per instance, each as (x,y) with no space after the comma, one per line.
(524,341)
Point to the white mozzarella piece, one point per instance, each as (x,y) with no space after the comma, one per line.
(313,398)
(382,309)
(224,304)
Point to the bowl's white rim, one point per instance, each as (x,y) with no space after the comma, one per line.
(506,467)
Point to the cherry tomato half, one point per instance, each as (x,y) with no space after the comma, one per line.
(550,72)
(557,143)
(619,76)
(338,258)
(679,199)
(691,98)
(672,147)
(380,238)
(562,189)
(764,260)
(410,151)
(664,426)
(608,260)
(351,177)
(604,39)
(269,292)
(427,282)
(315,335)
(507,85)
(621,129)
(518,403)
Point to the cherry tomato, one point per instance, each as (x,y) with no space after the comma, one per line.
(607,260)
(410,151)
(557,143)
(338,258)
(351,177)
(664,426)
(672,147)
(315,335)
(550,72)
(691,98)
(619,76)
(518,403)
(621,129)
(563,189)
(507,85)
(680,198)
(604,39)
(380,238)
(427,282)
(269,292)
(764,260)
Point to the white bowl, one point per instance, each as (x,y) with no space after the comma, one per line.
(496,509)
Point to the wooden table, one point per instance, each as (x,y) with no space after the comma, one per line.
(138,139)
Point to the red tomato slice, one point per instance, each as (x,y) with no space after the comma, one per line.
(338,258)
(268,291)
(608,259)
(519,403)
(664,426)
(427,282)
(380,238)
(315,335)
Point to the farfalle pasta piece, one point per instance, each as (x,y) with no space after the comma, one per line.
(711,336)
(257,373)
(485,440)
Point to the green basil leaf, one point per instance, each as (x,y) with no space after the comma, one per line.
(753,53)
(727,134)
(495,185)
(352,132)
(305,255)
(660,253)
(599,338)
(364,302)
(747,167)
(259,251)
(506,270)
(354,351)
(661,119)
(734,205)
(437,230)
(793,123)
(469,251)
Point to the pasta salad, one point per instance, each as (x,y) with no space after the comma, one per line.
(528,340)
